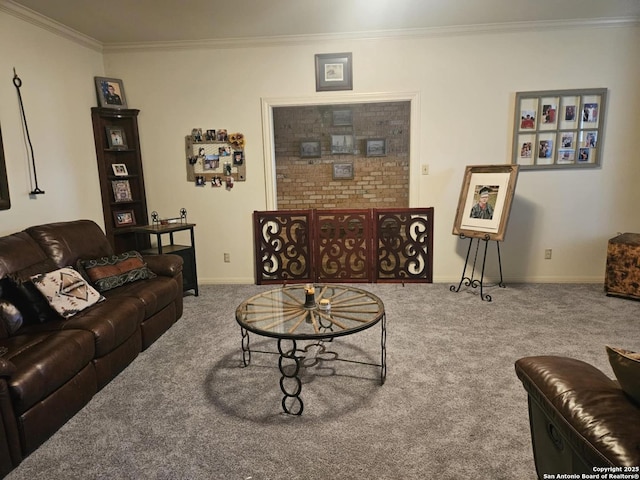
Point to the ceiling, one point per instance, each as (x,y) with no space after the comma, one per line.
(121,22)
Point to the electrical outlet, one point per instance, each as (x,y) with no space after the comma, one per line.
(547,254)
(425,169)
(227,258)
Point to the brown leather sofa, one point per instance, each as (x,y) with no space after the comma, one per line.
(50,370)
(582,422)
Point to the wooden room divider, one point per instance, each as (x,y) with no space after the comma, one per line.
(363,245)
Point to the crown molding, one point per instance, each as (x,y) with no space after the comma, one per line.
(295,40)
(34,18)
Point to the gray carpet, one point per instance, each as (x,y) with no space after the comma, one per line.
(451,408)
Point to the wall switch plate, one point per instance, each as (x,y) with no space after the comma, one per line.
(425,169)
(227,258)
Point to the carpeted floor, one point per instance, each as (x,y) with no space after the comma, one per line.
(451,408)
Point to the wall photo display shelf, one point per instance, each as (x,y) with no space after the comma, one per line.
(559,128)
(214,157)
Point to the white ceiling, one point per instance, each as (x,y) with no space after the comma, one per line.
(118,22)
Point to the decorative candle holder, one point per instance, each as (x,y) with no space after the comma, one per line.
(309,297)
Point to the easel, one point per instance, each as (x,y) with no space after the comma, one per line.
(470,280)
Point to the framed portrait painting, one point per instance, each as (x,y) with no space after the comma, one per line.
(485,201)
(333,72)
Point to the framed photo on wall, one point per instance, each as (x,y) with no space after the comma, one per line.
(559,128)
(343,171)
(376,147)
(342,144)
(110,92)
(333,72)
(342,118)
(485,201)
(310,149)
(124,218)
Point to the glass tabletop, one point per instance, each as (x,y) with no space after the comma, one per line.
(310,311)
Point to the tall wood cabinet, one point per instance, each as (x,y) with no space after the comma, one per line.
(124,202)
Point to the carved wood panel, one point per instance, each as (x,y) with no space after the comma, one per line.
(364,245)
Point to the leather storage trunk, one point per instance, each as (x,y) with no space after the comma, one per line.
(623,266)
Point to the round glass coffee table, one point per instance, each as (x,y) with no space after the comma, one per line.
(318,313)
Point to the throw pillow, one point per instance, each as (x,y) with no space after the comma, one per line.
(116,270)
(28,300)
(10,316)
(626,366)
(66,291)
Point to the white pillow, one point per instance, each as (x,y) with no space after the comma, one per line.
(66,291)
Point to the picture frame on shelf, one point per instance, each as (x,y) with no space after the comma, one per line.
(485,201)
(333,72)
(124,218)
(116,138)
(342,118)
(310,149)
(559,128)
(376,147)
(343,171)
(342,144)
(119,169)
(121,191)
(110,92)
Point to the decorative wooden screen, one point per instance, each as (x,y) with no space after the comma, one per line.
(343,245)
(283,246)
(378,245)
(404,245)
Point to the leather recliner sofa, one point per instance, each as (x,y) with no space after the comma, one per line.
(50,370)
(582,421)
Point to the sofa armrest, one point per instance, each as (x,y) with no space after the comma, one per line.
(166,265)
(7,368)
(589,409)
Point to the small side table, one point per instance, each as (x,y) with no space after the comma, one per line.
(622,277)
(187,252)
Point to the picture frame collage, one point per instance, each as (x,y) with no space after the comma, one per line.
(215,158)
(343,141)
(559,128)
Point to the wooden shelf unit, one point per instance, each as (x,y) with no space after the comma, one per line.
(122,238)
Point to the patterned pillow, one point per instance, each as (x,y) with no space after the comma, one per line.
(116,270)
(66,291)
(626,367)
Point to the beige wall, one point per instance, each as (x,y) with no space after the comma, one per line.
(58,92)
(464,88)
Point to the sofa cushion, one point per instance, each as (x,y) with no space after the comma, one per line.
(66,291)
(45,361)
(626,367)
(66,242)
(155,293)
(114,271)
(19,251)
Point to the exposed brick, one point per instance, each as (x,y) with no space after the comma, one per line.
(309,183)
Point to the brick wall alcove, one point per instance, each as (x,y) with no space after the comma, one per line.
(377,181)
